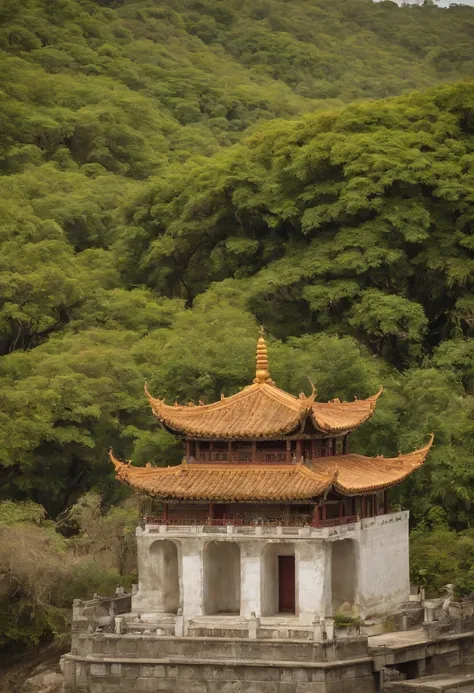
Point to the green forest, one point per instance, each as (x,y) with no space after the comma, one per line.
(174,173)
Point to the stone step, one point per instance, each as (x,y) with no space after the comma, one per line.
(449,681)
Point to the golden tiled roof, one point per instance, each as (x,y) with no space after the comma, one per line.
(226,482)
(339,416)
(261,410)
(258,411)
(358,474)
(349,474)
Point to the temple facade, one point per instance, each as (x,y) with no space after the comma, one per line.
(269,516)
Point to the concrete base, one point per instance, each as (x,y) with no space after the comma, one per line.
(106,663)
(207,676)
(109,663)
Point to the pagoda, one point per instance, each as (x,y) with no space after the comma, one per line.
(270,515)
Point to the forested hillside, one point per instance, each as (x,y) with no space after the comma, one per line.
(175,173)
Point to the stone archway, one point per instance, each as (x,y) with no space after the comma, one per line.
(221,578)
(343,575)
(164,575)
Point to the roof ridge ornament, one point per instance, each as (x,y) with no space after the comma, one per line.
(262,374)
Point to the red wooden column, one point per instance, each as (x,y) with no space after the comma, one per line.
(211,446)
(364,507)
(298,451)
(324,512)
(341,510)
(288,452)
(198,452)
(375,505)
(211,512)
(345,445)
(385,502)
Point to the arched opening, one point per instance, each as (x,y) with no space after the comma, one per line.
(222,578)
(165,579)
(278,590)
(343,575)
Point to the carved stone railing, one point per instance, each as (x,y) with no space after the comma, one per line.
(336,521)
(100,612)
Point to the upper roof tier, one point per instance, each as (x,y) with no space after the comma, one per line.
(348,474)
(262,410)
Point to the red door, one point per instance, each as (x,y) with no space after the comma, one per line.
(286,584)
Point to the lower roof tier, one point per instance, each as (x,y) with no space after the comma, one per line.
(349,475)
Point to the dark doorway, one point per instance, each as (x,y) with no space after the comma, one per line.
(286,584)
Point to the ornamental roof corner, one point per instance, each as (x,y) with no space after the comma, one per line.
(349,474)
(262,410)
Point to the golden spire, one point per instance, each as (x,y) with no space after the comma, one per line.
(262,374)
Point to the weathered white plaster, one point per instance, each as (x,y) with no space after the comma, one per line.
(222,578)
(158,575)
(364,563)
(193,592)
(384,576)
(314,579)
(344,573)
(250,579)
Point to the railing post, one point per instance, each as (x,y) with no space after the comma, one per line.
(316,516)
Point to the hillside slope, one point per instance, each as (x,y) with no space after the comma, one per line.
(174,172)
(131,85)
(141,179)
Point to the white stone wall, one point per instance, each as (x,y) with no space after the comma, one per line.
(314,579)
(384,572)
(377,565)
(222,578)
(250,579)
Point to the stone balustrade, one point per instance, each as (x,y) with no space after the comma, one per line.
(330,529)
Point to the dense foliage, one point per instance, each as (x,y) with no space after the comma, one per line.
(174,173)
(41,571)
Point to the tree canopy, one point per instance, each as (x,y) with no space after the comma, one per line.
(175,173)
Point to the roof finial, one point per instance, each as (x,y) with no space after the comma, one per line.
(262,374)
